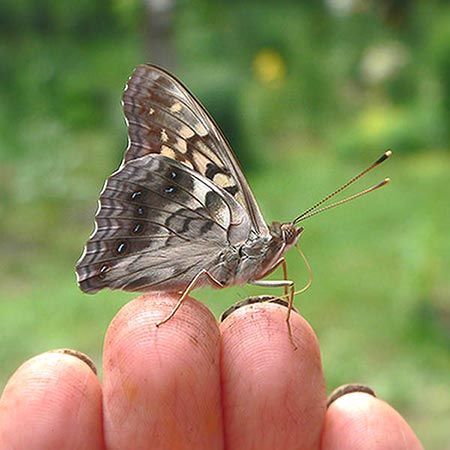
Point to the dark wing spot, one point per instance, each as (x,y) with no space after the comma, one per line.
(185,227)
(180,177)
(233,190)
(169,189)
(212,170)
(206,227)
(136,195)
(121,248)
(213,201)
(138,228)
(102,271)
(178,223)
(141,211)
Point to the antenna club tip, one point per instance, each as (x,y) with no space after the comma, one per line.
(383,183)
(383,157)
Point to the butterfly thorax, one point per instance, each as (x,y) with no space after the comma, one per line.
(256,257)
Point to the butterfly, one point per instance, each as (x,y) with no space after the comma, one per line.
(179,214)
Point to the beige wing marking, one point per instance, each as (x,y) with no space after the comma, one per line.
(169,152)
(170,136)
(223,180)
(176,107)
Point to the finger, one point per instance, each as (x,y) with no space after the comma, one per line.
(273,395)
(358,421)
(162,384)
(52,401)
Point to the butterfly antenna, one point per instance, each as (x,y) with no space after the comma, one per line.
(314,209)
(346,200)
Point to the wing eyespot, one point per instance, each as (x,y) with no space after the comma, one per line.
(102,272)
(138,228)
(121,248)
(136,195)
(170,189)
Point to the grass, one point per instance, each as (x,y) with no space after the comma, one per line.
(379,302)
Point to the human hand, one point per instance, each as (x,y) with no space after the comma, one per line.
(193,384)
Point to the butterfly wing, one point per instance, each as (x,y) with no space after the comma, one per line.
(158,224)
(164,117)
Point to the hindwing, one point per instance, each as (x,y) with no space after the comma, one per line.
(158,223)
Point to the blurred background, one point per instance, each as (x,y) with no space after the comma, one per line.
(308,93)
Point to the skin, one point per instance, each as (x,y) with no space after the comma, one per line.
(194,384)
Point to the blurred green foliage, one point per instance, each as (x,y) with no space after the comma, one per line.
(307,92)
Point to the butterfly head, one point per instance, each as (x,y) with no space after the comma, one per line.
(286,232)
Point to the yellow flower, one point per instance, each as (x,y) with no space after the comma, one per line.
(269,66)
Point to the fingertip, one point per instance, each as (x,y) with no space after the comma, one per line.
(58,397)
(262,327)
(150,372)
(134,342)
(267,383)
(358,419)
(274,308)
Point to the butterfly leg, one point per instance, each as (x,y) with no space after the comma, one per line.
(282,262)
(186,292)
(285,277)
(289,287)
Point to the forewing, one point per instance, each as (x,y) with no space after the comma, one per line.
(164,117)
(158,224)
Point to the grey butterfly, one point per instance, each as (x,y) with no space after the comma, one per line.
(178,214)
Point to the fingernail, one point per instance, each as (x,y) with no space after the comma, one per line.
(77,354)
(252,300)
(349,389)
